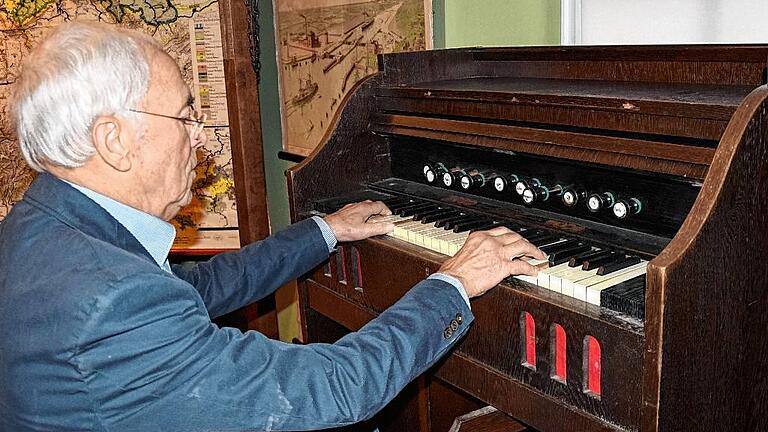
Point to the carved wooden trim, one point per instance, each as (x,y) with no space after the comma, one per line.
(682,160)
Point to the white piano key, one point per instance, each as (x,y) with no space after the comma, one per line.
(595,284)
(570,281)
(544,277)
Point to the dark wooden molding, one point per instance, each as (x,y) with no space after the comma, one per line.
(245,137)
(290,157)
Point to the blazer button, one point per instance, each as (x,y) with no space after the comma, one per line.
(454,325)
(459,318)
(448,333)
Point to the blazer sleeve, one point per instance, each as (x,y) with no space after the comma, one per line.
(232,280)
(155,362)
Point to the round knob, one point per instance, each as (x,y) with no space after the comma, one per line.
(500,183)
(522,185)
(624,208)
(540,193)
(433,171)
(473,179)
(599,201)
(572,196)
(451,176)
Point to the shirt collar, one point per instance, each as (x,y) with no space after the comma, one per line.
(155,234)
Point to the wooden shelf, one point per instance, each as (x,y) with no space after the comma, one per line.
(693,111)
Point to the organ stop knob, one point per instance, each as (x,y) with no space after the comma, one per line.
(522,185)
(501,183)
(474,179)
(451,176)
(627,207)
(572,196)
(599,201)
(540,193)
(433,171)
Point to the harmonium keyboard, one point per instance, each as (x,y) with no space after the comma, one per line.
(642,173)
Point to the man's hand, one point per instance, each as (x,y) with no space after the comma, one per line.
(354,222)
(487,257)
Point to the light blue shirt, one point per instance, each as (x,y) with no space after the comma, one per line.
(155,234)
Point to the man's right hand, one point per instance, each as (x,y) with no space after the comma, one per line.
(487,257)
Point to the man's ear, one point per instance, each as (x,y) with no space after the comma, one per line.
(109,139)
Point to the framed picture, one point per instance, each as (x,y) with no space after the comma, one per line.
(324,47)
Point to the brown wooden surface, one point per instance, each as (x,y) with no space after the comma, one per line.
(683,100)
(487,419)
(245,125)
(446,404)
(710,288)
(701,64)
(247,152)
(493,343)
(348,144)
(644,155)
(705,129)
(698,361)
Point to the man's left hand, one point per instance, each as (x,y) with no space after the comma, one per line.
(355,222)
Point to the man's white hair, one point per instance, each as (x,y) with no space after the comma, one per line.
(80,71)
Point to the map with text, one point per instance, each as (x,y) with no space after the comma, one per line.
(189,31)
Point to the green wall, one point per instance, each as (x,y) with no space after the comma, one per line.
(277,190)
(269,104)
(501,22)
(456,23)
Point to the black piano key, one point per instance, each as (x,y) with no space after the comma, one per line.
(533,233)
(541,241)
(443,221)
(451,224)
(559,246)
(578,260)
(565,255)
(394,200)
(616,266)
(627,297)
(421,214)
(410,211)
(486,227)
(436,217)
(404,204)
(477,225)
(594,263)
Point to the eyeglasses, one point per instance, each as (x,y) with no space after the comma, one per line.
(195,120)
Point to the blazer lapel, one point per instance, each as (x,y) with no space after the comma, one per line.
(81,213)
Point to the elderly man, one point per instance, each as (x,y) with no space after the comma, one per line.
(98,332)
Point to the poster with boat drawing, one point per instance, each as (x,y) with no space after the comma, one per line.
(326,46)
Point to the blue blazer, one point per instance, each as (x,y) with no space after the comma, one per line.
(94,336)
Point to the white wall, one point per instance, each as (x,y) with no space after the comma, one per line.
(598,22)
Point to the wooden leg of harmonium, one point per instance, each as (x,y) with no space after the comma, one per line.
(487,419)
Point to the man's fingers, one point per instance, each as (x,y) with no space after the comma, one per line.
(383,209)
(520,248)
(498,231)
(520,267)
(378,228)
(369,208)
(508,238)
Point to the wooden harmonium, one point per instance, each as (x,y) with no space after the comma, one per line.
(601,158)
(559,332)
